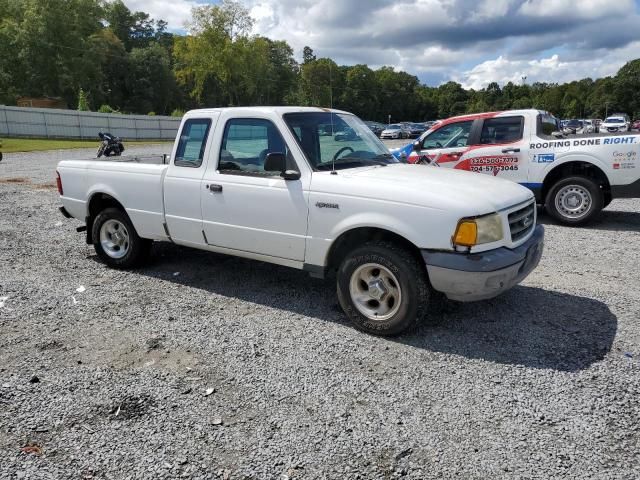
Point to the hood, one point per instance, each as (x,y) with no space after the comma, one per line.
(467,193)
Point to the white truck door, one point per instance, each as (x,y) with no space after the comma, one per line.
(544,149)
(446,145)
(246,208)
(500,149)
(182,181)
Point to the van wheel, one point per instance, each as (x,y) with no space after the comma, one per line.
(116,241)
(383,289)
(574,200)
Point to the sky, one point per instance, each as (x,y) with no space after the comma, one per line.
(473,42)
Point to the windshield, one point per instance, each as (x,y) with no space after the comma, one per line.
(574,123)
(393,127)
(361,147)
(614,120)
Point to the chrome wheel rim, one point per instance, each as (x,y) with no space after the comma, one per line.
(114,238)
(573,201)
(375,291)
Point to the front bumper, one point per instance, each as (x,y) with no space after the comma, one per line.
(478,276)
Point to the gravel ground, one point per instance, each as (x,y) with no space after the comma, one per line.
(206,366)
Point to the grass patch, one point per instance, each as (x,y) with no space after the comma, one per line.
(12,145)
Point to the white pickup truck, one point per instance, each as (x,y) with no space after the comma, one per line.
(574,177)
(265,183)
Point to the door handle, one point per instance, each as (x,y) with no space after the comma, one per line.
(511,150)
(456,154)
(213,188)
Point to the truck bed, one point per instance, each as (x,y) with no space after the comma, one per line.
(154,159)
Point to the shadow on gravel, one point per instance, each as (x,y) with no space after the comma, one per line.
(613,220)
(526,326)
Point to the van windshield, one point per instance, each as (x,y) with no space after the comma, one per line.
(337,140)
(614,120)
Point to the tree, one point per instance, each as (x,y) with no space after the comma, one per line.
(134,29)
(627,88)
(83,103)
(150,81)
(307,55)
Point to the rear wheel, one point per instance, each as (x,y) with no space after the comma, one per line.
(574,200)
(383,289)
(116,241)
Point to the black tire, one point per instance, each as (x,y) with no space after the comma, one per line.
(415,291)
(582,188)
(137,249)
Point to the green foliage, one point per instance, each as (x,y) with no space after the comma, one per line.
(104,108)
(177,113)
(83,103)
(151,114)
(100,53)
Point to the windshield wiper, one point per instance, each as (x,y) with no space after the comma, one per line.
(350,160)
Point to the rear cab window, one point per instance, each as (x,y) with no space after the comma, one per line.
(192,142)
(501,130)
(547,124)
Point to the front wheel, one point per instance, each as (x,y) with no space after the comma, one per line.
(574,200)
(116,241)
(383,289)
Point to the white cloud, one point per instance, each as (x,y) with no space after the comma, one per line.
(551,69)
(434,38)
(176,12)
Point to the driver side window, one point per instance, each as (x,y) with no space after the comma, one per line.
(449,136)
(245,145)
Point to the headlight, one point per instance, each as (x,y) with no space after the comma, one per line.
(476,231)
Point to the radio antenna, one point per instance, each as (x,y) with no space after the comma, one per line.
(333,161)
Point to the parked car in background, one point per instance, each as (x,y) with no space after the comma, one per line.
(395,131)
(614,124)
(416,129)
(635,125)
(573,127)
(597,122)
(375,127)
(588,126)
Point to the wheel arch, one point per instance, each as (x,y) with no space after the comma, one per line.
(352,238)
(572,168)
(98,201)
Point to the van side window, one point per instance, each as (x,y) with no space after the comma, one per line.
(501,130)
(245,145)
(192,142)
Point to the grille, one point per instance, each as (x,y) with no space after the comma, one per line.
(522,221)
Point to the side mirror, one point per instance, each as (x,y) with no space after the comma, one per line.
(277,162)
(417,147)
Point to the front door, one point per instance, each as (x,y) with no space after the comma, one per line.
(246,208)
(500,150)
